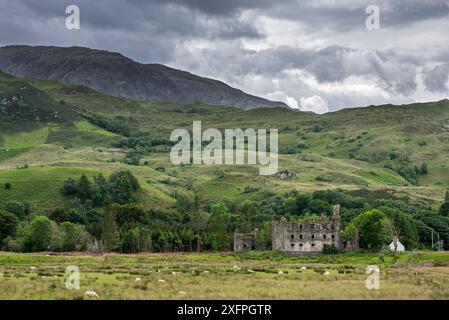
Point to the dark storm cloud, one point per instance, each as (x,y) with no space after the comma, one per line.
(156,16)
(148,31)
(403,12)
(211,37)
(226,7)
(350,15)
(436,78)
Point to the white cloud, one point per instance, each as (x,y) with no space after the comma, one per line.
(314,103)
(283,97)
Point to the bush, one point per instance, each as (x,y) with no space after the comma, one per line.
(408,174)
(20,209)
(70,187)
(329,249)
(8,225)
(8,186)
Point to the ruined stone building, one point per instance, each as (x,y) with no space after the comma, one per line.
(246,241)
(299,237)
(307,237)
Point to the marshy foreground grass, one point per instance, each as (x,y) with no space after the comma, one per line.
(255,275)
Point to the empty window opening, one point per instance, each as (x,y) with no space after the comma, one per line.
(313,236)
(300,236)
(324,236)
(333,237)
(292,236)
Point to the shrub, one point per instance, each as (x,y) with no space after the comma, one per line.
(8,225)
(70,187)
(408,174)
(20,209)
(329,249)
(8,186)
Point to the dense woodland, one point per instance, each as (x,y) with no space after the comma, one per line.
(109,217)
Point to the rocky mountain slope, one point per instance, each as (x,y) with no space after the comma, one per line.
(117,75)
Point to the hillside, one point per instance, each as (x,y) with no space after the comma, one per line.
(114,74)
(360,150)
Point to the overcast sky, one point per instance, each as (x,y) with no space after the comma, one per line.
(314,55)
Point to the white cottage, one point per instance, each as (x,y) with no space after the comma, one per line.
(396,246)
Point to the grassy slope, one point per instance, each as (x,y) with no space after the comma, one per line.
(327,140)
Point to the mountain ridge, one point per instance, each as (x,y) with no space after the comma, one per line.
(126,77)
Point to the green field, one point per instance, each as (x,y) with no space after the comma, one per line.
(259,275)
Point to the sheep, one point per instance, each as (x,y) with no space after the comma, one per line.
(281,272)
(137,279)
(326,273)
(251,271)
(91,294)
(161,280)
(182,292)
(303,268)
(173,273)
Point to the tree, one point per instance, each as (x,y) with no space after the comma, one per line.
(109,234)
(198,221)
(444,209)
(84,188)
(290,206)
(438,223)
(41,234)
(349,232)
(318,206)
(219,221)
(219,208)
(8,225)
(20,209)
(70,187)
(375,229)
(404,228)
(124,186)
(129,216)
(60,215)
(302,203)
(249,210)
(135,240)
(424,168)
(75,237)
